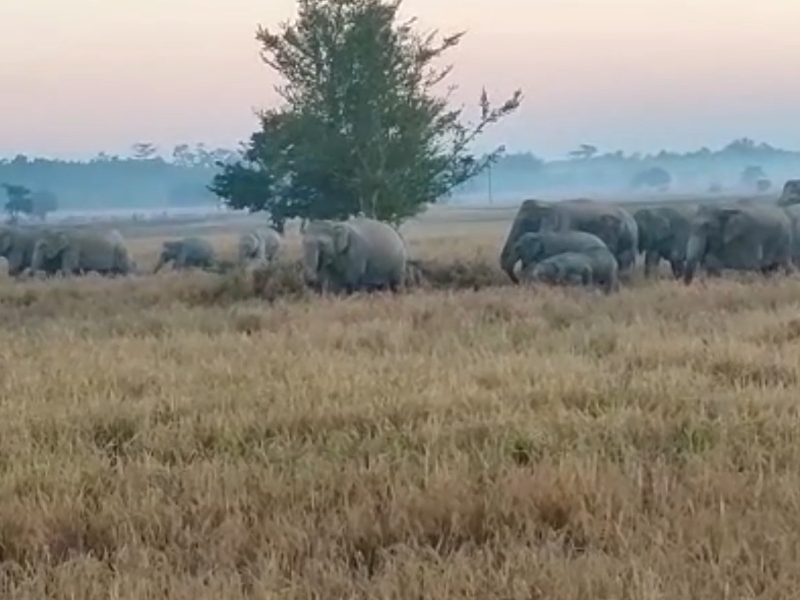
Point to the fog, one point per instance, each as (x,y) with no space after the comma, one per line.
(149,186)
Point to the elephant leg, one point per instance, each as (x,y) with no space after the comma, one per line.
(677,268)
(651,260)
(69,263)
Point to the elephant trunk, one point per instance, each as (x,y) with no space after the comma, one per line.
(311,265)
(695,248)
(37,259)
(508,260)
(159,264)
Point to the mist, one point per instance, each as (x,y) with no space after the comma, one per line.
(149,182)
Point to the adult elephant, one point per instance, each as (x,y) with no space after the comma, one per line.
(612,224)
(187,252)
(81,251)
(262,245)
(793,211)
(741,237)
(663,234)
(16,246)
(359,254)
(790,194)
(533,249)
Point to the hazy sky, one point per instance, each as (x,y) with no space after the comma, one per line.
(79,76)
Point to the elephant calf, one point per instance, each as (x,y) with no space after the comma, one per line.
(187,252)
(593,267)
(532,248)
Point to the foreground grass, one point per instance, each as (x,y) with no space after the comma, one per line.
(167,437)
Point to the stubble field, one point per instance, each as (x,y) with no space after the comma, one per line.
(179,437)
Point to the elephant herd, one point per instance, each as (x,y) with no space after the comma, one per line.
(582,242)
(574,242)
(76,251)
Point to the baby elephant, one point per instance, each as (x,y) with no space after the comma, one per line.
(188,252)
(593,267)
(569,268)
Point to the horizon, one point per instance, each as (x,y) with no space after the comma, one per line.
(712,72)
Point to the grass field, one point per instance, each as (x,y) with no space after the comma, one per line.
(178,437)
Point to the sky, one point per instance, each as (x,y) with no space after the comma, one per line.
(82,76)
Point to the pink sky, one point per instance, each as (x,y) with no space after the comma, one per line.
(81,76)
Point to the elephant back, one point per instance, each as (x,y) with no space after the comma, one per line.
(199,250)
(612,224)
(96,251)
(383,247)
(790,194)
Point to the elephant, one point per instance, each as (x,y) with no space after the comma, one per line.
(596,266)
(663,233)
(567,268)
(793,211)
(533,247)
(790,194)
(612,224)
(263,244)
(16,246)
(71,251)
(740,237)
(359,254)
(187,252)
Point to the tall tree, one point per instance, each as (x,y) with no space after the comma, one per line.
(18,201)
(144,150)
(360,128)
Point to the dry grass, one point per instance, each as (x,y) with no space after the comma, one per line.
(179,437)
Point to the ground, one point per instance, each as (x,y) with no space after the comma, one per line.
(165,437)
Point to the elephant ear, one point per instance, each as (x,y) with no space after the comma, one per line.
(341,238)
(661,227)
(609,220)
(56,242)
(734,227)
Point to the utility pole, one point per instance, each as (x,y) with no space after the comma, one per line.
(489,174)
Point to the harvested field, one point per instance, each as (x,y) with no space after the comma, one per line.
(199,436)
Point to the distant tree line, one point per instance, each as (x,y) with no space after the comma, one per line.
(144,179)
(150,179)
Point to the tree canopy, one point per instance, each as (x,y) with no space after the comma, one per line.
(360,129)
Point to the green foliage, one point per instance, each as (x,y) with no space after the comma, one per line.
(19,201)
(44,202)
(654,177)
(361,129)
(751,174)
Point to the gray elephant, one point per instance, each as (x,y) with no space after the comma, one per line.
(73,251)
(612,224)
(593,267)
(790,194)
(16,246)
(186,253)
(663,234)
(533,247)
(567,268)
(740,237)
(359,254)
(793,212)
(263,244)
